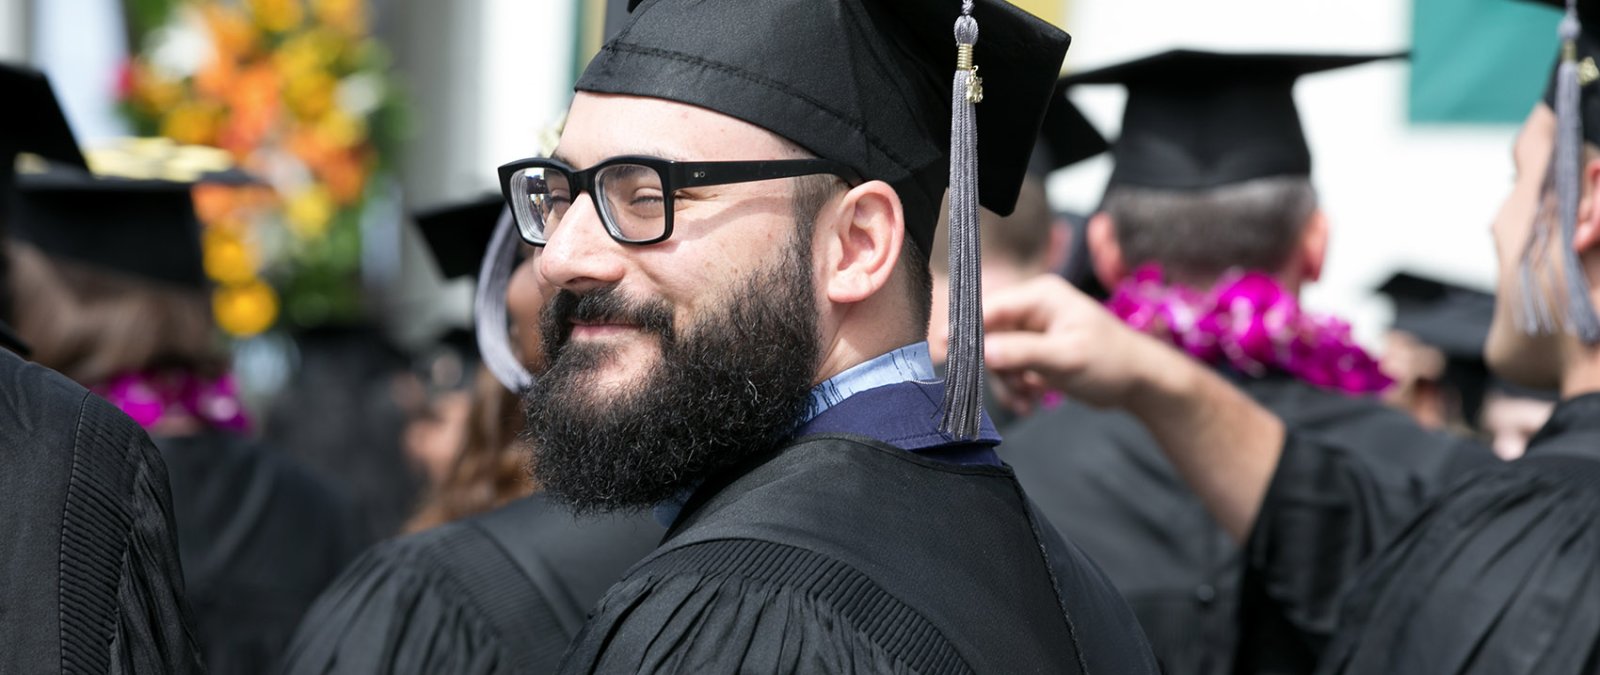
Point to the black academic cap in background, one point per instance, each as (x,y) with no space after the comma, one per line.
(863,82)
(458,234)
(32,120)
(1451,318)
(1588,44)
(1197,120)
(144,228)
(1066,138)
(1455,320)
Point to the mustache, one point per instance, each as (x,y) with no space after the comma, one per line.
(604,305)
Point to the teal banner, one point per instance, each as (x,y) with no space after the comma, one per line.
(1479,61)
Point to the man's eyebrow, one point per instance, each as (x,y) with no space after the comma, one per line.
(658,153)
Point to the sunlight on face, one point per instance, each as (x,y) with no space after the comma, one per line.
(721,234)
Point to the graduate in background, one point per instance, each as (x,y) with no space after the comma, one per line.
(90,579)
(1497,573)
(495,580)
(465,435)
(1209,228)
(1434,351)
(112,293)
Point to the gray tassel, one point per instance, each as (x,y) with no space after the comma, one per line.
(489,307)
(963,393)
(1562,194)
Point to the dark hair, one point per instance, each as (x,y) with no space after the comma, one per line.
(811,192)
(491,469)
(92,324)
(1196,235)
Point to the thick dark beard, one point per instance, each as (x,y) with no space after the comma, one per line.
(732,385)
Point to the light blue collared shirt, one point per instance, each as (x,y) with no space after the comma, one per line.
(910,363)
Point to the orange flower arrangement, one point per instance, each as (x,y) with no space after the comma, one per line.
(296,92)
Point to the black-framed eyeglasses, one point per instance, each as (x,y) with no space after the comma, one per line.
(633,194)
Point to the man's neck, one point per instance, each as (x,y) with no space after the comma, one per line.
(1582,373)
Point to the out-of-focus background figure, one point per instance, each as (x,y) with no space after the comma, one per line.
(109,286)
(1434,351)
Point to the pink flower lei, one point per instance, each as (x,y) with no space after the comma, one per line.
(150,397)
(1251,324)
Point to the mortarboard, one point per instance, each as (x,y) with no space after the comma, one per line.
(458,234)
(1455,320)
(863,82)
(874,85)
(33,123)
(1197,120)
(1066,138)
(145,228)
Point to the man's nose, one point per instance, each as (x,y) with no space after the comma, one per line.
(579,255)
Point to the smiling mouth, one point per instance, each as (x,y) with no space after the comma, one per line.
(600,329)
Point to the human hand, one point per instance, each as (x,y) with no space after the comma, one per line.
(1046,335)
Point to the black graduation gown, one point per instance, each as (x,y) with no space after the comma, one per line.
(1099,477)
(90,580)
(502,592)
(260,537)
(1500,575)
(842,554)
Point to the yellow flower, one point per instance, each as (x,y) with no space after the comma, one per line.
(277,16)
(193,122)
(229,258)
(310,94)
(305,53)
(245,309)
(341,130)
(310,213)
(153,92)
(347,16)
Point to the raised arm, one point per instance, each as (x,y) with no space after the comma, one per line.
(1046,335)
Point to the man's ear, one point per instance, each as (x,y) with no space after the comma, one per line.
(1104,250)
(860,242)
(1313,249)
(1586,237)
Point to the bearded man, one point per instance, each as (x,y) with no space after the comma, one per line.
(736,220)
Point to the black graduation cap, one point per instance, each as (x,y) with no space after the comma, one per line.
(1588,45)
(31,121)
(1197,120)
(863,82)
(1455,320)
(1066,138)
(1451,318)
(459,233)
(146,228)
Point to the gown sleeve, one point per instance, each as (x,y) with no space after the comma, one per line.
(152,630)
(443,601)
(1499,576)
(1333,502)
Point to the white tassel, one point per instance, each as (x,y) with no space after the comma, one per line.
(489,307)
